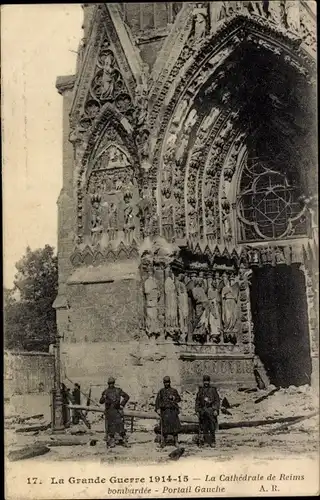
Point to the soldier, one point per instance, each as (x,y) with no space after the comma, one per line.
(66,397)
(207,408)
(167,407)
(115,400)
(76,399)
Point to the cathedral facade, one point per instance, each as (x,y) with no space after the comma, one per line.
(188,233)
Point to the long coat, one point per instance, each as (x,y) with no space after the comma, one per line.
(167,402)
(114,400)
(207,404)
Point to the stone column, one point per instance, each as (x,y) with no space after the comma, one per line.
(312,323)
(247,327)
(247,338)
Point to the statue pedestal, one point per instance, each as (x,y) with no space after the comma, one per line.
(227,366)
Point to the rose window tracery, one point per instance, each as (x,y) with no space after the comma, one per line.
(269,206)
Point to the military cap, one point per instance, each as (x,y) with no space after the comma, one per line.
(206,378)
(111,380)
(166,379)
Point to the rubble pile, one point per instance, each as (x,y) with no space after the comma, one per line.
(239,405)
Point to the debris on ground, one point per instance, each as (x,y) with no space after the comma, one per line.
(34,428)
(176,454)
(265,396)
(286,413)
(30,451)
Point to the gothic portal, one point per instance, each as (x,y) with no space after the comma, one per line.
(188,238)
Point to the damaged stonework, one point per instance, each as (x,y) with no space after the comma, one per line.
(188,214)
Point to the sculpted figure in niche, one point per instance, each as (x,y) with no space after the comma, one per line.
(193,217)
(213,314)
(200,23)
(146,213)
(141,104)
(191,120)
(180,111)
(152,297)
(113,221)
(274,11)
(170,145)
(222,10)
(200,331)
(210,223)
(183,305)
(227,227)
(129,222)
(96,219)
(119,181)
(107,77)
(279,256)
(171,305)
(253,7)
(292,14)
(230,307)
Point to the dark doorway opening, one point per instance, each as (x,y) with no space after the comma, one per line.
(280,317)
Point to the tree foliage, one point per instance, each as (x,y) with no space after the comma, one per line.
(30,320)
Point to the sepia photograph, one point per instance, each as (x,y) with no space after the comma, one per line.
(161,249)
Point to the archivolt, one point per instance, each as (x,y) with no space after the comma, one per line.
(209,62)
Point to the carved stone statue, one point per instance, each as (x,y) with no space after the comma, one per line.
(96,219)
(171,305)
(292,13)
(253,7)
(152,296)
(200,331)
(170,146)
(141,104)
(112,221)
(107,76)
(183,305)
(227,227)
(274,11)
(129,222)
(190,120)
(145,213)
(222,10)
(200,23)
(193,217)
(279,256)
(214,314)
(215,320)
(230,307)
(182,106)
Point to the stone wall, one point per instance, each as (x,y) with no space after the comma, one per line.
(138,367)
(105,311)
(24,371)
(67,218)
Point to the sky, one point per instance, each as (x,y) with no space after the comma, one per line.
(38,43)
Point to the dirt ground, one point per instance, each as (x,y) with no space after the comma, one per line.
(264,442)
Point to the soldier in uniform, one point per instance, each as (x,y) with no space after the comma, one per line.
(114,400)
(207,408)
(167,407)
(76,399)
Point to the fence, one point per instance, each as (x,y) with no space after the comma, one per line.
(28,372)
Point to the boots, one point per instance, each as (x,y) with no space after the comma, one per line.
(124,442)
(111,443)
(162,442)
(213,441)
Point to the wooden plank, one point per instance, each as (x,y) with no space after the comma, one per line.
(194,419)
